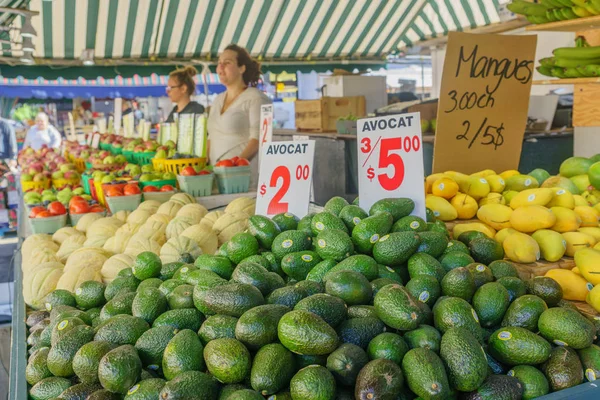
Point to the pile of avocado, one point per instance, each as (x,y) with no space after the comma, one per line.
(341,304)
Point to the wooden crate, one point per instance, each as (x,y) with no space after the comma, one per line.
(321,115)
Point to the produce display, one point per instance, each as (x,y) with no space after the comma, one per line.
(555,10)
(171,300)
(581,61)
(47,167)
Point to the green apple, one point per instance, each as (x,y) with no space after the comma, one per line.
(170,144)
(108,160)
(78,191)
(64,197)
(57,175)
(108,178)
(146,177)
(86,196)
(49,197)
(120,158)
(26,177)
(46,192)
(147,169)
(169,175)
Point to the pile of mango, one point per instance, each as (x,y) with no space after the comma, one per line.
(535,216)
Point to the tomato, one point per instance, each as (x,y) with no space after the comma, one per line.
(44,214)
(167,188)
(204,172)
(224,163)
(113,191)
(75,199)
(131,189)
(36,210)
(150,189)
(57,208)
(79,207)
(96,208)
(241,162)
(234,159)
(188,171)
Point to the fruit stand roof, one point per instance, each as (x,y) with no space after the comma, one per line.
(171,31)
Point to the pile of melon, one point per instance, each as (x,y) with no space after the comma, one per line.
(97,248)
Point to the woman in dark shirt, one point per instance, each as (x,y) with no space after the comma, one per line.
(180,88)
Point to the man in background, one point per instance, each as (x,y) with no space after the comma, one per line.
(8,143)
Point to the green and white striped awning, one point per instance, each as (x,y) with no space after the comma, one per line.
(270,29)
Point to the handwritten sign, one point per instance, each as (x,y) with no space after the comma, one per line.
(390,160)
(200,135)
(118,115)
(484,97)
(266,123)
(96,140)
(128,125)
(285,178)
(185,136)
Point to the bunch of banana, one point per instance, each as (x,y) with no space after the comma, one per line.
(552,10)
(581,61)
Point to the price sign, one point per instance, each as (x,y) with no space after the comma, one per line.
(200,135)
(185,136)
(390,160)
(88,139)
(285,178)
(118,114)
(266,123)
(146,130)
(101,123)
(96,140)
(484,99)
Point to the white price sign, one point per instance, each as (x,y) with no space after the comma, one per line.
(96,140)
(266,123)
(390,160)
(285,178)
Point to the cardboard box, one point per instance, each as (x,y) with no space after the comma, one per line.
(321,115)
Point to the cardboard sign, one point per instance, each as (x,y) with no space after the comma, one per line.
(111,125)
(146,130)
(101,123)
(266,123)
(128,125)
(390,160)
(285,178)
(88,139)
(71,136)
(483,104)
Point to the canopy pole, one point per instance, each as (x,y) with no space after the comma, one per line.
(205,73)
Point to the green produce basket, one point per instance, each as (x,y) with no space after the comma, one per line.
(48,225)
(144,158)
(116,150)
(85,180)
(159,184)
(105,146)
(129,156)
(198,185)
(161,197)
(123,203)
(233,179)
(88,165)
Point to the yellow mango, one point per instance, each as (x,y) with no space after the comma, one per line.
(457,176)
(521,182)
(577,241)
(597,207)
(552,244)
(566,220)
(574,286)
(492,198)
(588,262)
(508,195)
(531,218)
(476,187)
(473,226)
(485,173)
(465,205)
(580,201)
(594,232)
(445,187)
(576,271)
(497,184)
(430,180)
(532,197)
(593,298)
(495,215)
(441,208)
(503,234)
(507,174)
(589,216)
(561,198)
(521,248)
